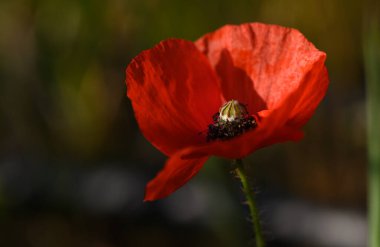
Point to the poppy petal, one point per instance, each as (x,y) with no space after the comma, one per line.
(309,99)
(174,93)
(177,172)
(276,125)
(258,64)
(243,145)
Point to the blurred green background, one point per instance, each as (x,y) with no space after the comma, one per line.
(73,164)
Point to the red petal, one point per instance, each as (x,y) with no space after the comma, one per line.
(241,146)
(276,125)
(258,64)
(174,93)
(309,98)
(177,172)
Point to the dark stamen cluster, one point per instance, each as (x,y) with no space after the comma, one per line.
(224,130)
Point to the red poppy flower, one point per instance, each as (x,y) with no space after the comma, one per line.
(275,76)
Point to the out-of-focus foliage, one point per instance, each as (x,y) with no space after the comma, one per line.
(63,113)
(371,50)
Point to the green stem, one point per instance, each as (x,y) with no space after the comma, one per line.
(240,171)
(371,51)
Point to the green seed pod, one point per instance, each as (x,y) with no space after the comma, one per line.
(232,110)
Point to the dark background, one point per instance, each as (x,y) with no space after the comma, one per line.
(73,164)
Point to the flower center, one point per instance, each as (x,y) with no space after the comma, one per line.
(232,120)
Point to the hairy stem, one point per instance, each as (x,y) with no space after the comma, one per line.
(240,171)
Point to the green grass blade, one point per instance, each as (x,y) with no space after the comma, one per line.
(371,49)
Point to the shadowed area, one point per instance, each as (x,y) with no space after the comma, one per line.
(236,84)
